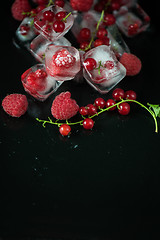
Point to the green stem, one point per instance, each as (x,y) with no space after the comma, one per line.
(64,19)
(50,3)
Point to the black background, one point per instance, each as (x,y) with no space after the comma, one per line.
(99,184)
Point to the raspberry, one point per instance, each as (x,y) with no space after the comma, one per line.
(81,5)
(15,104)
(63,107)
(132,64)
(63,59)
(18,7)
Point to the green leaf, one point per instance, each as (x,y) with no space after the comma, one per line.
(155,108)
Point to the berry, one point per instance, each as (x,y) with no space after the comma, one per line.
(100,102)
(90,63)
(124,108)
(60,15)
(18,7)
(101,33)
(81,5)
(132,64)
(118,94)
(48,15)
(109,65)
(133,29)
(58,26)
(130,94)
(109,19)
(64,129)
(63,107)
(91,109)
(83,111)
(85,33)
(98,42)
(59,3)
(109,103)
(35,81)
(15,104)
(88,123)
(84,45)
(63,58)
(24,29)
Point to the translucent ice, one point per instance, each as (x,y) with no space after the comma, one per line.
(62,62)
(45,27)
(108,71)
(38,83)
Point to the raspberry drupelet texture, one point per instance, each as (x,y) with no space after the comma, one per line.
(63,107)
(15,104)
(81,5)
(132,64)
(18,7)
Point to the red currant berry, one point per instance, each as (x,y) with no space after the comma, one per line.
(115,6)
(24,29)
(90,63)
(58,26)
(40,8)
(109,19)
(83,111)
(124,108)
(109,103)
(98,42)
(100,102)
(88,123)
(64,129)
(130,95)
(118,94)
(84,45)
(101,33)
(91,109)
(133,29)
(106,41)
(109,64)
(85,33)
(48,15)
(59,3)
(60,15)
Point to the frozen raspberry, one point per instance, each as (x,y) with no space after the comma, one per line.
(63,59)
(63,107)
(15,104)
(81,5)
(132,64)
(18,7)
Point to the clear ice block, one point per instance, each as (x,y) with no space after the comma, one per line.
(62,62)
(108,72)
(38,83)
(25,32)
(39,45)
(45,27)
(132,21)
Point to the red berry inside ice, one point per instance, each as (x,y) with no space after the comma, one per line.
(64,129)
(109,19)
(133,29)
(58,26)
(60,15)
(124,108)
(48,15)
(24,29)
(90,63)
(109,65)
(36,81)
(63,58)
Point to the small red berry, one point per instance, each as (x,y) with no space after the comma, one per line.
(109,103)
(88,123)
(64,129)
(58,26)
(91,109)
(130,94)
(90,63)
(98,42)
(84,45)
(109,19)
(85,33)
(118,94)
(60,15)
(100,102)
(109,64)
(133,29)
(59,3)
(24,29)
(48,15)
(101,33)
(83,111)
(124,108)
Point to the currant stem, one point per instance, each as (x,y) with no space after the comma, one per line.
(50,3)
(64,19)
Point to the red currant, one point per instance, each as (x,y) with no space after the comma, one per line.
(88,123)
(130,94)
(109,103)
(118,94)
(100,102)
(84,45)
(60,15)
(98,42)
(91,109)
(83,111)
(133,29)
(48,15)
(101,33)
(64,129)
(59,3)
(124,108)
(106,41)
(58,26)
(109,19)
(24,29)
(85,33)
(90,63)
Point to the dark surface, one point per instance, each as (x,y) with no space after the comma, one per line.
(99,184)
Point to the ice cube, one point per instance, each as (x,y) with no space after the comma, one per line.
(62,62)
(108,72)
(132,21)
(38,83)
(45,27)
(39,45)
